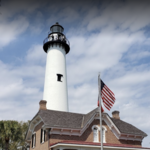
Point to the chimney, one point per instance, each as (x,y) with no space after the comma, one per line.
(115,114)
(42,104)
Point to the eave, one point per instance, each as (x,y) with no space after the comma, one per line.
(32,125)
(91,145)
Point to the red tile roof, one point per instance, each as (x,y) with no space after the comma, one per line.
(97,144)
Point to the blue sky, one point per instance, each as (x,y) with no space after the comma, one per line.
(111,37)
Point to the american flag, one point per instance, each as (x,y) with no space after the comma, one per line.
(108,97)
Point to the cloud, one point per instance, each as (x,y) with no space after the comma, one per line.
(21,86)
(98,52)
(36,55)
(123,15)
(11,29)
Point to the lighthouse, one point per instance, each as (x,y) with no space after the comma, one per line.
(56,46)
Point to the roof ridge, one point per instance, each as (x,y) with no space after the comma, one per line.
(63,111)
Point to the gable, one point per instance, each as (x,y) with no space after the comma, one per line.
(35,122)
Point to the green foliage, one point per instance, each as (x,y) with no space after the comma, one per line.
(12,135)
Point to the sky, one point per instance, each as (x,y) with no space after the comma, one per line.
(110,37)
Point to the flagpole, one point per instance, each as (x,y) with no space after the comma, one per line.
(100,114)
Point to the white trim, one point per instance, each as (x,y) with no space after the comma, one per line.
(96,127)
(36,125)
(104,133)
(87,124)
(111,125)
(97,146)
(32,126)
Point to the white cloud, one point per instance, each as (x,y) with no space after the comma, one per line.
(36,55)
(9,30)
(21,86)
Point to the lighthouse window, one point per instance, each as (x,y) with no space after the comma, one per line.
(59,77)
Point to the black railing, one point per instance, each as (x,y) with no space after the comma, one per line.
(61,39)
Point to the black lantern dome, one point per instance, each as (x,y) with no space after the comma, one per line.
(57,28)
(56,36)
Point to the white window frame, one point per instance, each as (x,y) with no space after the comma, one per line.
(104,129)
(95,133)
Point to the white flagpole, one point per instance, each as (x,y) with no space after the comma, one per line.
(100,114)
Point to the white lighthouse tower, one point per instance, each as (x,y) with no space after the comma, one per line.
(56,46)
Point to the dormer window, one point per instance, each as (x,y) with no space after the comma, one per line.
(96,133)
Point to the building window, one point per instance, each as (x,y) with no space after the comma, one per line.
(43,132)
(96,133)
(59,77)
(104,133)
(33,140)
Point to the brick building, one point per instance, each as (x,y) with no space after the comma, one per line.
(58,130)
(54,128)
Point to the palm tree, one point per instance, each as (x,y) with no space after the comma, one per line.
(10,132)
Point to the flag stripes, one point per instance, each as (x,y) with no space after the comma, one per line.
(108,97)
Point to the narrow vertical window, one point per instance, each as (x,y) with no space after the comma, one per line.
(41,136)
(95,134)
(59,77)
(33,140)
(104,134)
(43,132)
